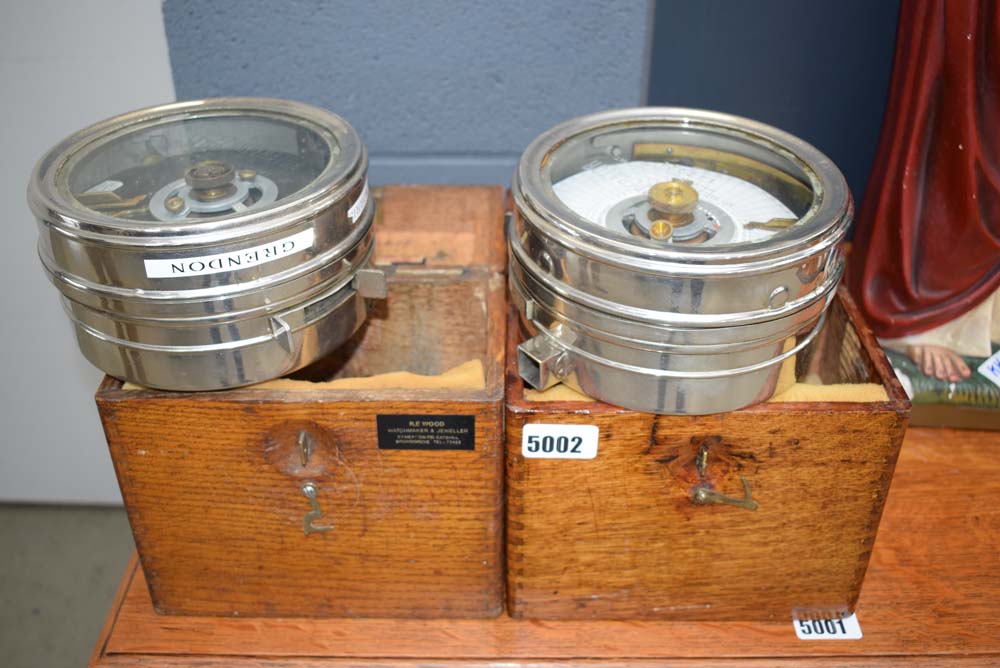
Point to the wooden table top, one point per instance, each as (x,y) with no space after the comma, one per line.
(932,590)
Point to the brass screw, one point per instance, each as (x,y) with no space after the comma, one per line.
(661,230)
(174,204)
(247,174)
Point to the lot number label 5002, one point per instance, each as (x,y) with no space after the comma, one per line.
(559,441)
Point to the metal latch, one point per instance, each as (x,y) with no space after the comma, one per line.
(310,491)
(371,283)
(541,363)
(705,494)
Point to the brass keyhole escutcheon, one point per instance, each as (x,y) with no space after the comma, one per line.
(310,492)
(306,445)
(302,449)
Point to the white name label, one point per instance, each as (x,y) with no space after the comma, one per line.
(991,368)
(845,628)
(559,441)
(359,205)
(234,261)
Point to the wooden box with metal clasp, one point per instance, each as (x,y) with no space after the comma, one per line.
(756,514)
(369,484)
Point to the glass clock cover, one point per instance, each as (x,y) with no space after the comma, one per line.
(679,186)
(195,167)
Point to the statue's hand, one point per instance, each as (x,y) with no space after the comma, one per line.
(939,362)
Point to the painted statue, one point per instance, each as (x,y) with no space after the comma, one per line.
(927,268)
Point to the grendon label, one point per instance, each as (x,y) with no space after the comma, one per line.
(234,261)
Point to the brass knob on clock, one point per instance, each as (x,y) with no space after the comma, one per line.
(210,180)
(672,204)
(673,198)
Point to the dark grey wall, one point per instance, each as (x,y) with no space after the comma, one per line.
(441,91)
(817,68)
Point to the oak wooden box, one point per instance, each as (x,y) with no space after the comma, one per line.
(931,598)
(215,483)
(621,537)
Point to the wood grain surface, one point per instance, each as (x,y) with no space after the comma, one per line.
(214,482)
(441,226)
(619,536)
(931,598)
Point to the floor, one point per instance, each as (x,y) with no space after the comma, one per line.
(59,570)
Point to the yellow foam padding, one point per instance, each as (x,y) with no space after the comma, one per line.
(558,392)
(786,389)
(786,374)
(863,392)
(467,376)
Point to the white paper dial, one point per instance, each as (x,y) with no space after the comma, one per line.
(594,193)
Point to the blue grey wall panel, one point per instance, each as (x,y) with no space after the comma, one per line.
(441,91)
(817,68)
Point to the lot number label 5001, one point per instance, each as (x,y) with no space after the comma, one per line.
(846,628)
(559,441)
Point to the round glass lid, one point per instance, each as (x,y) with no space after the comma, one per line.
(193,167)
(682,184)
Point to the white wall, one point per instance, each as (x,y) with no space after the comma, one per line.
(63,65)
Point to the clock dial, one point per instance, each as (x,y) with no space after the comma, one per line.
(621,197)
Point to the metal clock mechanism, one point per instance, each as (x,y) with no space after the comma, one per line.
(210,244)
(669,260)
